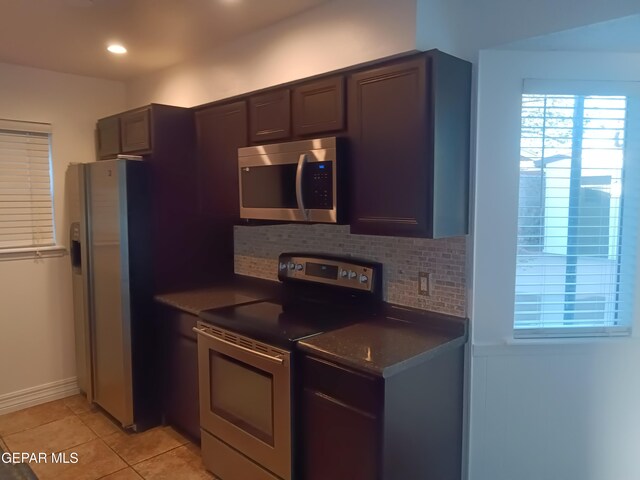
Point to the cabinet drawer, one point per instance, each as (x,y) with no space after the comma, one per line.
(226,462)
(348,386)
(177,322)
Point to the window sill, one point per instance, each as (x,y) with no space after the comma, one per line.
(32,253)
(545,346)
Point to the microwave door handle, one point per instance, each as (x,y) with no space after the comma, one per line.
(299,196)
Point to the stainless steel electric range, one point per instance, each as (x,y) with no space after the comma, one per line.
(247,361)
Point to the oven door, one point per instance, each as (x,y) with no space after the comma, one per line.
(245,396)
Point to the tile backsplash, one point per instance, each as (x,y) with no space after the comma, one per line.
(257,250)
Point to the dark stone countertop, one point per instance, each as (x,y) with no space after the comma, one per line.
(390,343)
(234,291)
(395,339)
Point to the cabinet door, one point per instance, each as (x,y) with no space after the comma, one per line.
(135,131)
(221,130)
(390,170)
(318,107)
(270,116)
(340,442)
(182,408)
(180,357)
(108,132)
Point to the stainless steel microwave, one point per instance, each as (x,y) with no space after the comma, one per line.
(293,181)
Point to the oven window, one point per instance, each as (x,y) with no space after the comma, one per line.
(242,395)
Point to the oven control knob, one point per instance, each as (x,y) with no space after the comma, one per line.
(292,265)
(352,274)
(364,279)
(344,273)
(299,267)
(283,266)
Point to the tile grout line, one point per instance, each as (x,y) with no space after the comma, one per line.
(113,473)
(137,463)
(133,467)
(112,449)
(47,423)
(154,456)
(78,416)
(98,437)
(182,443)
(40,425)
(128,465)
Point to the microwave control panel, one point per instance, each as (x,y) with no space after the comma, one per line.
(318,185)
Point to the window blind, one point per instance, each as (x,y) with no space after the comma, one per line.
(575,245)
(26,201)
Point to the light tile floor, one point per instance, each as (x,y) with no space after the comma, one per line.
(104,450)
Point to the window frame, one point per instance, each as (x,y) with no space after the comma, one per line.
(628,237)
(49,248)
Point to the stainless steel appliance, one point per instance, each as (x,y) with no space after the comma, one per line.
(247,361)
(294,181)
(109,244)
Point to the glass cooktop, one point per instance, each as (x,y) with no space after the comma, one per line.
(268,321)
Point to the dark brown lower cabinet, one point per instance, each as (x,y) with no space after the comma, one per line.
(356,426)
(179,359)
(340,440)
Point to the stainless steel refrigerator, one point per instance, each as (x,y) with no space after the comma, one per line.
(109,229)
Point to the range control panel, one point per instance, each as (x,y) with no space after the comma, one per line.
(338,271)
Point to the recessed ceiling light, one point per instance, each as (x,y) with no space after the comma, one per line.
(117,49)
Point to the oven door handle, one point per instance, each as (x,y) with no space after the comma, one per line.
(203,332)
(299,194)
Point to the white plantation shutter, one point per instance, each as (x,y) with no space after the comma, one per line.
(577,213)
(26,202)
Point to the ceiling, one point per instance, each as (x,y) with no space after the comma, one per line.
(71,35)
(619,35)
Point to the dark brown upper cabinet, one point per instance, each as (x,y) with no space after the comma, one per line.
(220,131)
(135,131)
(108,137)
(318,107)
(127,133)
(270,116)
(409,123)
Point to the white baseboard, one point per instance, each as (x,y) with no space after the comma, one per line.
(11,402)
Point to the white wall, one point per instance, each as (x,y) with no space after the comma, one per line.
(334,35)
(36,325)
(342,33)
(540,410)
(463,28)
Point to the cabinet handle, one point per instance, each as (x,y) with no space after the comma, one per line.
(327,398)
(299,196)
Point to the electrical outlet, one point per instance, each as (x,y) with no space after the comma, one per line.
(424,284)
